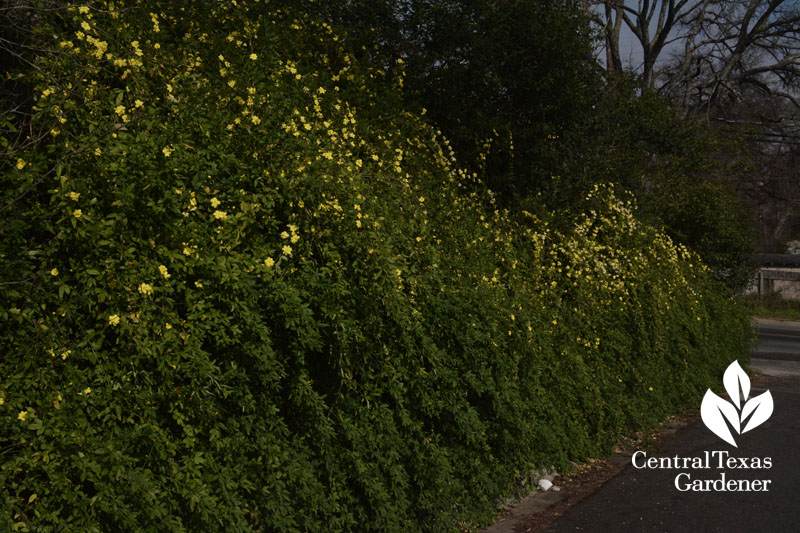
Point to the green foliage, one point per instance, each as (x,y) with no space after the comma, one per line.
(681,173)
(771,305)
(514,87)
(244,290)
(502,80)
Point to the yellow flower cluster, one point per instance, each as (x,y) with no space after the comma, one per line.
(146,289)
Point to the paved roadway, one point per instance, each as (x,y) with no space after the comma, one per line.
(778,350)
(647,499)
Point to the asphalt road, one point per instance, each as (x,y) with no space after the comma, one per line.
(778,351)
(647,499)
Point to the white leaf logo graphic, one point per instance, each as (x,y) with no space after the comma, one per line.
(718,413)
(761,407)
(733,378)
(714,411)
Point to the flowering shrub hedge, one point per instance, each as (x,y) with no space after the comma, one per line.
(244,291)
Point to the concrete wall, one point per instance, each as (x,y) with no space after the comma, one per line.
(787,288)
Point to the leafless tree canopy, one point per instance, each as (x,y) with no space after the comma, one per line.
(705,53)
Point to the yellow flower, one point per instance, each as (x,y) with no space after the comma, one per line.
(163,270)
(198,284)
(167,151)
(138,103)
(220,215)
(73,196)
(167,325)
(77,213)
(87,390)
(231,83)
(83,10)
(2,400)
(119,110)
(284,235)
(287,250)
(21,164)
(215,202)
(253,57)
(85,26)
(22,415)
(269,262)
(187,250)
(146,289)
(65,354)
(54,272)
(255,120)
(113,320)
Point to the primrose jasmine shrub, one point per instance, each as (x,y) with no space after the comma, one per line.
(245,290)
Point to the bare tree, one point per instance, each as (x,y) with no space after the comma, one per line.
(732,50)
(771,188)
(652,22)
(701,53)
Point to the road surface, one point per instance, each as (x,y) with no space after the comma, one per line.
(778,351)
(656,499)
